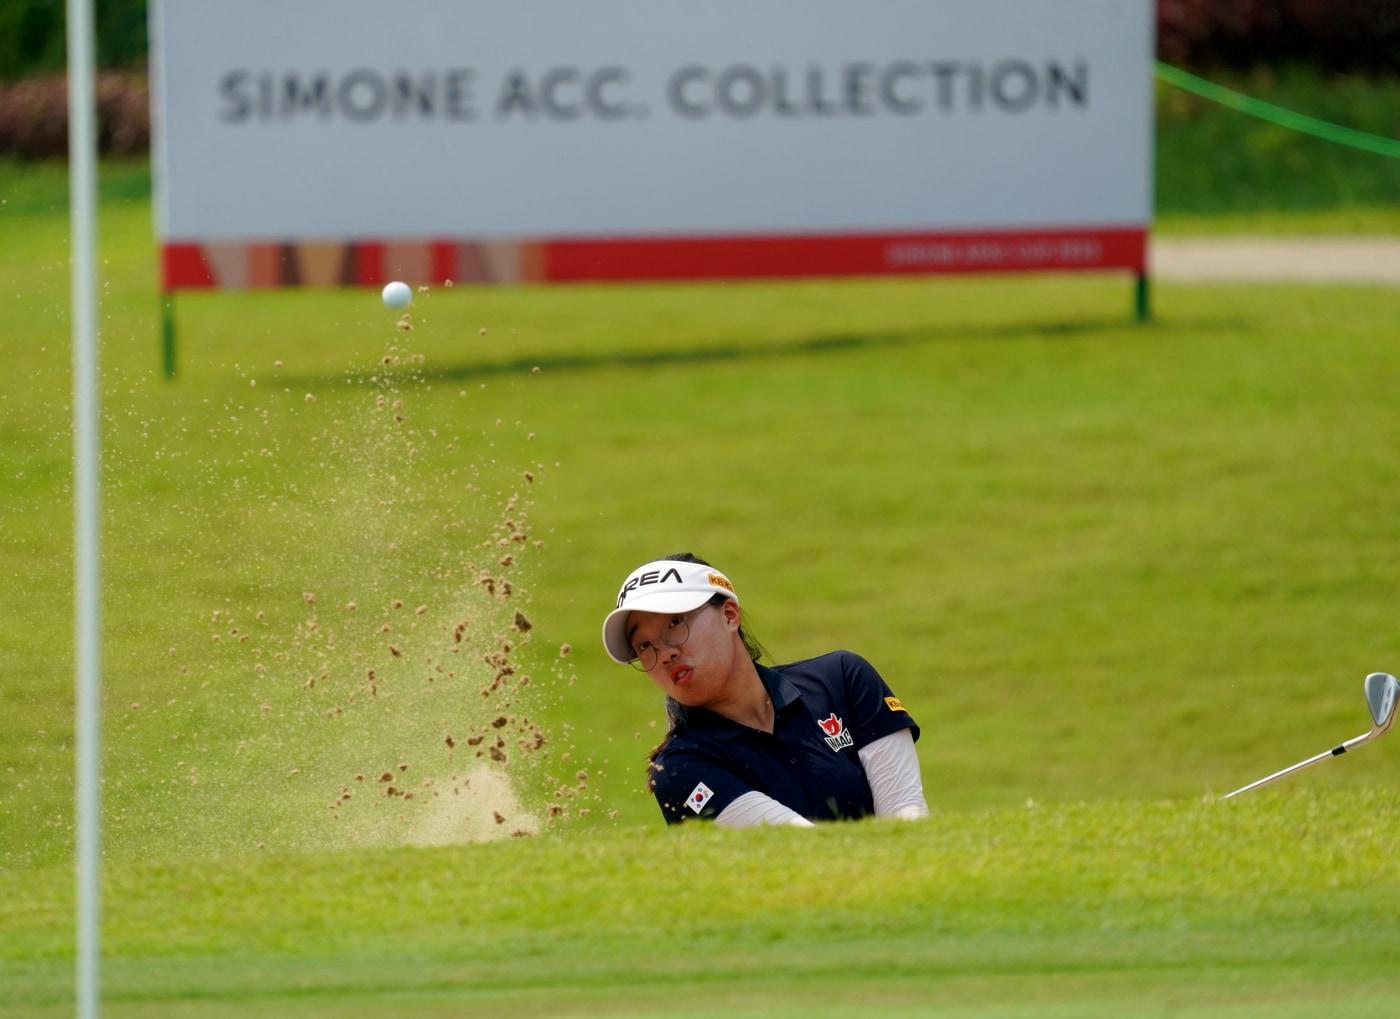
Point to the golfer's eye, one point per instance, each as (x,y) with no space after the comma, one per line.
(641,648)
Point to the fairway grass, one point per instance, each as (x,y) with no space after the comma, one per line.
(1129,565)
(1283,904)
(1094,558)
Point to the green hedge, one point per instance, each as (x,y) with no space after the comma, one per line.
(1331,35)
(32,37)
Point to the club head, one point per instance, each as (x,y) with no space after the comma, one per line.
(1381,696)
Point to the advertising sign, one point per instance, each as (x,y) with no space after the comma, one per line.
(352,141)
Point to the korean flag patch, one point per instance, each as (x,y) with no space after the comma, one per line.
(699,796)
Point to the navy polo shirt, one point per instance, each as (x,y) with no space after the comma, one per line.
(825,709)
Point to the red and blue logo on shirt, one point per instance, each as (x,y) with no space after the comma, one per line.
(836,735)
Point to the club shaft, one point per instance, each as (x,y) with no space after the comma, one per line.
(1336,751)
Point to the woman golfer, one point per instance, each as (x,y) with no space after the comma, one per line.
(816,740)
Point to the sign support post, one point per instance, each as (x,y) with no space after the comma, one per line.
(1142,297)
(167,334)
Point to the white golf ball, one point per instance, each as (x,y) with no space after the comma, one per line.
(397,295)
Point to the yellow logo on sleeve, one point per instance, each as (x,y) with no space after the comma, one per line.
(893,704)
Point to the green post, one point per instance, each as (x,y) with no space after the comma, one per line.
(1142,298)
(167,334)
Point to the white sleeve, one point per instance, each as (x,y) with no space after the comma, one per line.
(892,768)
(754,807)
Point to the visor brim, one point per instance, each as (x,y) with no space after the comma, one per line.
(615,640)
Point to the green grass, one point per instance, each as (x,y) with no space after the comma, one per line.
(1360,220)
(1281,905)
(985,486)
(1098,561)
(1218,169)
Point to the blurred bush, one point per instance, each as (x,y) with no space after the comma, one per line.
(1332,35)
(32,37)
(34,115)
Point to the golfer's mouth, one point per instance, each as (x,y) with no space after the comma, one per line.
(681,674)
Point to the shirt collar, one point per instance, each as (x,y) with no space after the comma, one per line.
(781,692)
(780,688)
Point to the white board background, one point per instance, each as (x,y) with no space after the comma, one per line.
(653,172)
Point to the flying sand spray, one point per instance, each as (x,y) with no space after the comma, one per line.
(372,684)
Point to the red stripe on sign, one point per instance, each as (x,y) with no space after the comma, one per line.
(369,263)
(844,254)
(443,262)
(184,267)
(187,266)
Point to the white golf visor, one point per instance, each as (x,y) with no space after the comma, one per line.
(664,585)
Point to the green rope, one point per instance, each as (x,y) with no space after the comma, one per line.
(1277,114)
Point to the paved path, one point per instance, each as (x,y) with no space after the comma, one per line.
(1315,259)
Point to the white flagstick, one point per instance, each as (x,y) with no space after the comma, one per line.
(87,481)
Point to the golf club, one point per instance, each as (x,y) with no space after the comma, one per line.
(1381,696)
